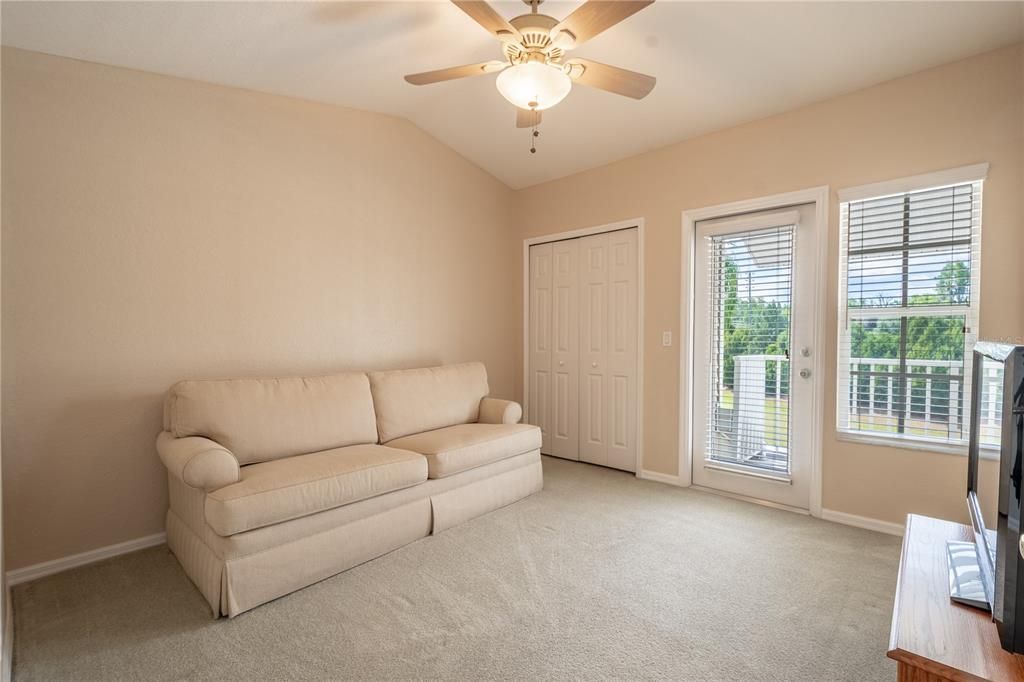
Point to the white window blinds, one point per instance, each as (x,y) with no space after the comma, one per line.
(909,266)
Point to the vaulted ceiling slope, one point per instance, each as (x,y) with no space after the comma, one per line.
(717,64)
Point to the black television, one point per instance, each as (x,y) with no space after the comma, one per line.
(997,577)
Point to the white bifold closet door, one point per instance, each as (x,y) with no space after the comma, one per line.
(583,347)
(539,386)
(565,351)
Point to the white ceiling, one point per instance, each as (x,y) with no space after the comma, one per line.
(717,64)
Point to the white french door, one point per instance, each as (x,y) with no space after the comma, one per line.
(753,393)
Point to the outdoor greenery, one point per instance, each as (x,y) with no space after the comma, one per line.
(751,326)
(928,338)
(755,326)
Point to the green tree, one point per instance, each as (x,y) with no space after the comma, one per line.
(954,283)
(754,326)
(750,326)
(729,342)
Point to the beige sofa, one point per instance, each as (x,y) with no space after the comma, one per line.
(278,483)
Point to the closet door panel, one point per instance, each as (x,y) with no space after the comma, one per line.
(594,339)
(621,359)
(564,433)
(584,321)
(539,408)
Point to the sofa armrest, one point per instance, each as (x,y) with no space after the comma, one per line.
(198,462)
(496,411)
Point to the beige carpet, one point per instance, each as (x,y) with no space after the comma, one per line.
(599,576)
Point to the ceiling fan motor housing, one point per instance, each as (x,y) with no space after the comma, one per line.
(536,43)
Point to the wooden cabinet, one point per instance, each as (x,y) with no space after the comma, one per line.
(933,638)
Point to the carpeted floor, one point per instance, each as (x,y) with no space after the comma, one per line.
(600,575)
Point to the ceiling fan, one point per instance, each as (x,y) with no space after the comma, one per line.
(534,74)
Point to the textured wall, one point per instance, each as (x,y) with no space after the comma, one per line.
(962,113)
(156,229)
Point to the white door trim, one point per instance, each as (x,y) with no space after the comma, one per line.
(819,196)
(638,223)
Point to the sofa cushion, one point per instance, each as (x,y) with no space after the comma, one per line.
(264,419)
(284,489)
(415,400)
(465,446)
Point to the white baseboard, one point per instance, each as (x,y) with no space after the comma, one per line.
(23,575)
(862,522)
(7,653)
(649,475)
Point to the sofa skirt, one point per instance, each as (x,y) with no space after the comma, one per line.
(234,585)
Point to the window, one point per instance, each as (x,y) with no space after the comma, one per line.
(751,278)
(908,301)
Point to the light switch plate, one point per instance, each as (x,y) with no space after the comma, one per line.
(666,339)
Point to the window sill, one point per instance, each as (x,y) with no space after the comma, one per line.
(987,451)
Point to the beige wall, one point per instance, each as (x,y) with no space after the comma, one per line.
(5,636)
(156,229)
(962,113)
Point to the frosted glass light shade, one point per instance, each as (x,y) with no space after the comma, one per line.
(534,85)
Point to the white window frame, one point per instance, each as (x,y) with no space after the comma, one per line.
(955,176)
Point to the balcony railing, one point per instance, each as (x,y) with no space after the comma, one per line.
(925,398)
(931,403)
(752,420)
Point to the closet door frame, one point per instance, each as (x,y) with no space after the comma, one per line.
(638,224)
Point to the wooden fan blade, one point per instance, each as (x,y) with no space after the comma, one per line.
(486,16)
(596,16)
(428,77)
(611,78)
(527,118)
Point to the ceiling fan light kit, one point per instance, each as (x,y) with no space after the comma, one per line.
(534,76)
(534,85)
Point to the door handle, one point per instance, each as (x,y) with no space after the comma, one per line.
(561,363)
(805,373)
(593,364)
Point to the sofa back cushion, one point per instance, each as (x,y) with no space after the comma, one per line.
(264,419)
(412,401)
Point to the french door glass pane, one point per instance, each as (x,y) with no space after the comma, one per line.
(750,280)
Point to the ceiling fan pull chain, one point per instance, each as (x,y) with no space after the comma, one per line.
(533,139)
